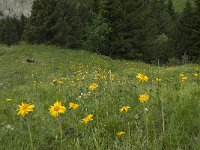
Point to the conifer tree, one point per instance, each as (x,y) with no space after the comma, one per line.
(196,33)
(39,27)
(183,39)
(171,10)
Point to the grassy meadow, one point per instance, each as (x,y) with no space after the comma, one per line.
(168,120)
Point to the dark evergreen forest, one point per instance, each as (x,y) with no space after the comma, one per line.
(145,30)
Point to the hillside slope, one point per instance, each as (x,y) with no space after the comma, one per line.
(106,90)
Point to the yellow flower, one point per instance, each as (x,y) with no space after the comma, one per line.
(93,86)
(142,78)
(73,106)
(64,78)
(124,108)
(120,133)
(56,82)
(56,109)
(196,74)
(25,108)
(181,75)
(158,79)
(34,83)
(143,98)
(60,82)
(112,77)
(9,99)
(184,78)
(87,119)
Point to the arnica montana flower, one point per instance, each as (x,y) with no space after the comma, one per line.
(184,78)
(124,108)
(9,99)
(93,86)
(142,78)
(73,106)
(158,79)
(196,74)
(87,119)
(56,82)
(120,133)
(25,108)
(181,75)
(143,98)
(57,109)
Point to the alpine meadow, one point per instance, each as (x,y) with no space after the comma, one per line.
(100,75)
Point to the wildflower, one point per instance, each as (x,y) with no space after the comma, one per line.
(25,108)
(143,98)
(124,108)
(142,78)
(120,133)
(34,83)
(56,109)
(97,77)
(73,106)
(93,86)
(196,74)
(146,109)
(87,119)
(56,82)
(9,99)
(158,79)
(64,78)
(112,77)
(184,78)
(8,127)
(181,75)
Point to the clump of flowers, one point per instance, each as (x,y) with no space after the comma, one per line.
(124,108)
(182,77)
(24,109)
(120,133)
(142,78)
(158,79)
(56,82)
(87,119)
(93,86)
(73,106)
(57,109)
(143,98)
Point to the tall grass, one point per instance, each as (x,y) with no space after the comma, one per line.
(171,115)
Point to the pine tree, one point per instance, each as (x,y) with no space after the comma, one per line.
(70,27)
(195,53)
(136,32)
(171,10)
(39,27)
(112,14)
(9,31)
(183,39)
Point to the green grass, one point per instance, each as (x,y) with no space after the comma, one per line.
(171,122)
(179,5)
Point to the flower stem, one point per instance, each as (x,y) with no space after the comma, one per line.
(146,123)
(60,125)
(30,135)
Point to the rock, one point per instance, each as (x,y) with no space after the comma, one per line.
(15,7)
